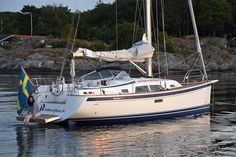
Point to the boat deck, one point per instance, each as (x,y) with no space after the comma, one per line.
(42,119)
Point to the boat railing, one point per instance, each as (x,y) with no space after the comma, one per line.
(42,81)
(193,76)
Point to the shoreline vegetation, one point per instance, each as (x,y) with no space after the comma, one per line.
(216,22)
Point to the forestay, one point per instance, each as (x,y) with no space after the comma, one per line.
(137,53)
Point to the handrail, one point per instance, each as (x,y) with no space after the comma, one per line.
(188,75)
(44,80)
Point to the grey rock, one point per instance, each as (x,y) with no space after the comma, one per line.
(2,49)
(2,52)
(18,62)
(232,42)
(11,63)
(216,57)
(37,57)
(23,45)
(216,41)
(40,61)
(175,62)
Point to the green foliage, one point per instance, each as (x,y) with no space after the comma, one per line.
(177,17)
(8,23)
(214,17)
(56,19)
(170,47)
(125,35)
(98,45)
(58,43)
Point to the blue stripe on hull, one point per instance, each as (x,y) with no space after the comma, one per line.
(143,117)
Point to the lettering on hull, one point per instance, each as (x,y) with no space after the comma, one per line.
(53,110)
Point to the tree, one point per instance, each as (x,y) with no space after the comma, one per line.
(8,21)
(213,16)
(177,17)
(54,20)
(125,35)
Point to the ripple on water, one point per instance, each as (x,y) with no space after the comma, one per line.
(223,133)
(201,136)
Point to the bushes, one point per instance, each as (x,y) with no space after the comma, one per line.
(98,45)
(170,47)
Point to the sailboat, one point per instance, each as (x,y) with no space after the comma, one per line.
(110,95)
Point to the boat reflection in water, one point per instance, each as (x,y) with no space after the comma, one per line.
(201,136)
(176,137)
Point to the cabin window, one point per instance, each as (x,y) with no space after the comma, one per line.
(106,73)
(103,82)
(121,76)
(155,88)
(115,72)
(124,91)
(158,100)
(172,85)
(93,76)
(141,89)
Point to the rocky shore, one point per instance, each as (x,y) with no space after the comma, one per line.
(218,56)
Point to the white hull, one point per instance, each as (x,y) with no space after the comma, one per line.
(183,101)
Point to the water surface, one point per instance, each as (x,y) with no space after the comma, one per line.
(207,135)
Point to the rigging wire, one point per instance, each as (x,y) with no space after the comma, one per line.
(68,43)
(72,69)
(164,36)
(135,17)
(158,41)
(117,42)
(178,63)
(67,48)
(140,19)
(76,30)
(144,17)
(195,63)
(156,38)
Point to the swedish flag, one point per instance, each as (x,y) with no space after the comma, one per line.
(25,88)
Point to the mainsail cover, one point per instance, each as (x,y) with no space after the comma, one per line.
(137,53)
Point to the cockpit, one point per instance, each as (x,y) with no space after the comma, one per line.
(104,77)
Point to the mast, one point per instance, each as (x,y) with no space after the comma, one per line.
(149,35)
(199,49)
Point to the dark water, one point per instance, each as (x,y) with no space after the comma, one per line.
(207,135)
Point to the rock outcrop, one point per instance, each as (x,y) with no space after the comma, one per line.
(217,56)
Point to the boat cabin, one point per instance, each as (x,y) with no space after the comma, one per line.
(116,81)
